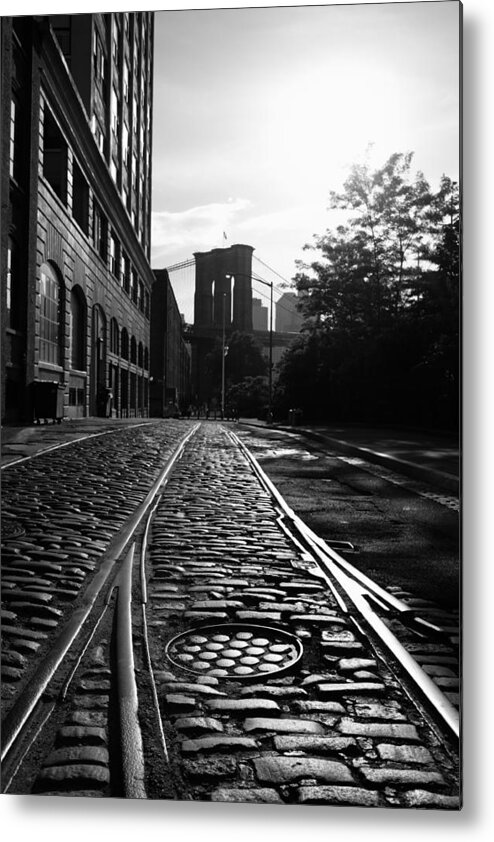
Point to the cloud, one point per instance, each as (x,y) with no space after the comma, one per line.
(198,228)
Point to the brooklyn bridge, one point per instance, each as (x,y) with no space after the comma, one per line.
(231,297)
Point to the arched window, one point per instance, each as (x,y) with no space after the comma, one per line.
(78,323)
(146,359)
(114,336)
(124,344)
(50,331)
(139,354)
(133,350)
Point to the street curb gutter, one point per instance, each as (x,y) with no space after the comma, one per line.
(447,482)
(440,479)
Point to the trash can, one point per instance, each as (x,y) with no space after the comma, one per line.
(48,400)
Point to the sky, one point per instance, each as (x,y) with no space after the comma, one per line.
(260,112)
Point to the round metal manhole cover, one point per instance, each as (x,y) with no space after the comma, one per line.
(235,651)
(10,529)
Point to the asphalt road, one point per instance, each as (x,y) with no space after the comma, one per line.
(404,532)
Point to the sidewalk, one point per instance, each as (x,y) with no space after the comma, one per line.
(429,456)
(18,442)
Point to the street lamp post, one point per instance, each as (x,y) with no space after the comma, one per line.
(223,353)
(270,373)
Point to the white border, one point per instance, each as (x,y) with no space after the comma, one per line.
(30,817)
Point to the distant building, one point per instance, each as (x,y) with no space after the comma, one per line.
(259,315)
(288,319)
(170,356)
(76,127)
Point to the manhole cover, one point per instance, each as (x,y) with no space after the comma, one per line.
(10,529)
(235,651)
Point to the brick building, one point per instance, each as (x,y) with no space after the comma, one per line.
(169,386)
(76,212)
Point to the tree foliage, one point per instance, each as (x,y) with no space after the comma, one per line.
(381,304)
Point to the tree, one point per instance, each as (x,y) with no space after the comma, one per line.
(248,397)
(243,359)
(381,303)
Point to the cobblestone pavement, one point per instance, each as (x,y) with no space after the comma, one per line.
(230,603)
(59,514)
(337,729)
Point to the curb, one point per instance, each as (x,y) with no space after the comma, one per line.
(440,479)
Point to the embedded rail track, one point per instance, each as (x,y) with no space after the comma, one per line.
(220,639)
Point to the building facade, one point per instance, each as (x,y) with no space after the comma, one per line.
(259,315)
(288,317)
(76,212)
(169,386)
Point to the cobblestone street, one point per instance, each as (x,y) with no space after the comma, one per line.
(268,691)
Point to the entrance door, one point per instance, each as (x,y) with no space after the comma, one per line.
(98,362)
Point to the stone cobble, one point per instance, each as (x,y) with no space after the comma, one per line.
(334,729)
(68,504)
(78,762)
(331,728)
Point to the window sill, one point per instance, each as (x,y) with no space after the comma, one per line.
(50,366)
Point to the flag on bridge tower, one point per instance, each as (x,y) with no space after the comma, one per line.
(224,236)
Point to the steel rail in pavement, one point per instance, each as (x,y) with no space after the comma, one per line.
(18,717)
(358,588)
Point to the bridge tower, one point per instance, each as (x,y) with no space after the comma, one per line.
(214,270)
(223,290)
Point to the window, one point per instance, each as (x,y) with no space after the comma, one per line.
(114,336)
(77,329)
(114,256)
(98,133)
(50,334)
(54,156)
(133,350)
(100,231)
(140,297)
(140,354)
(114,111)
(15,140)
(77,397)
(80,197)
(125,146)
(124,351)
(125,272)
(13,291)
(134,286)
(134,117)
(134,173)
(99,62)
(116,42)
(126,74)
